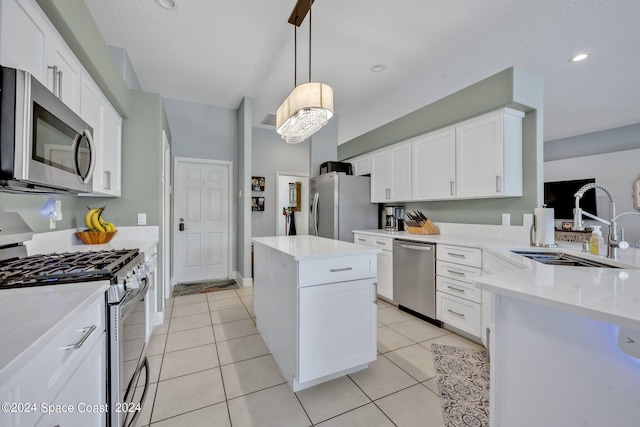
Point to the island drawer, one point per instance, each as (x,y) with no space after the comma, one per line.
(460,254)
(363,239)
(330,270)
(384,243)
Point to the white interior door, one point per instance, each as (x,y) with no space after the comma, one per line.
(202,220)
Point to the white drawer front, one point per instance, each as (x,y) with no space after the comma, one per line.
(61,356)
(317,272)
(457,271)
(461,255)
(363,239)
(459,313)
(459,289)
(384,243)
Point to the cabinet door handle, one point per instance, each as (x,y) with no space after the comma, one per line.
(453,255)
(451,184)
(335,270)
(59,84)
(457,273)
(498,184)
(87,332)
(107,180)
(456,289)
(54,68)
(375,292)
(378,242)
(456,313)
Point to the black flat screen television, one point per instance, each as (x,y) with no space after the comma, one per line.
(559,196)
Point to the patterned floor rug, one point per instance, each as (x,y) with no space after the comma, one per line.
(182,289)
(463,382)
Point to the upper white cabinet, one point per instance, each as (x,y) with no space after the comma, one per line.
(361,165)
(489,155)
(434,165)
(28,41)
(478,158)
(107,136)
(391,174)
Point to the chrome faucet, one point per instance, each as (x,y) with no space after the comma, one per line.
(614,242)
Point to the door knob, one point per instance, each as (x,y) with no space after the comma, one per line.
(181,225)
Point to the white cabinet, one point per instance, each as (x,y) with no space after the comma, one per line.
(478,158)
(391,174)
(385,261)
(70,368)
(317,315)
(361,165)
(489,155)
(96,110)
(152,298)
(458,301)
(434,166)
(28,41)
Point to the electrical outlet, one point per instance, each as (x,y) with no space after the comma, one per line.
(142,219)
(527,220)
(506,219)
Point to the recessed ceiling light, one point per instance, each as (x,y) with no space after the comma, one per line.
(376,68)
(579,58)
(167,4)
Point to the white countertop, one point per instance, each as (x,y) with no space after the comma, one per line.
(607,294)
(30,317)
(307,247)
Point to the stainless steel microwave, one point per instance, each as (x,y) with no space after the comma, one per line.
(44,146)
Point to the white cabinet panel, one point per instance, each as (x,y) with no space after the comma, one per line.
(348,311)
(489,155)
(385,274)
(434,166)
(459,313)
(63,73)
(391,174)
(361,165)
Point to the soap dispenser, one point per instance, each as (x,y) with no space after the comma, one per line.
(596,242)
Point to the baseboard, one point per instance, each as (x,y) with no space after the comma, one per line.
(241,281)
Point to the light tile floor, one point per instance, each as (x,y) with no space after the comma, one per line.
(210,367)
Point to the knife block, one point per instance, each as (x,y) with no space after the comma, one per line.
(423,227)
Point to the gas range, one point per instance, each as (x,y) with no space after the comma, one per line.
(68,267)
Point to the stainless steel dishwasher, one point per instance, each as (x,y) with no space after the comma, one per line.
(414,283)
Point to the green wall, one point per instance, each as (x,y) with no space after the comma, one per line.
(513,88)
(29,207)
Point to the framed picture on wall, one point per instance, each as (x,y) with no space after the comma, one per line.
(257,204)
(257,183)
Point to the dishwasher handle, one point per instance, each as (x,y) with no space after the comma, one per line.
(417,247)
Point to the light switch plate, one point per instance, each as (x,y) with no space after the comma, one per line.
(142,219)
(527,220)
(506,219)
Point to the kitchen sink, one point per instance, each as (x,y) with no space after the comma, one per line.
(560,258)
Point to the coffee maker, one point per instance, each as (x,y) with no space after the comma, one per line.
(394,218)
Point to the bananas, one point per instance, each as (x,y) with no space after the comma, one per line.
(95,222)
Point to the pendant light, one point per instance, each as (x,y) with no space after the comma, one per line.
(310,105)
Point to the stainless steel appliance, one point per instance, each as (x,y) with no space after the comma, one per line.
(44,146)
(394,218)
(127,271)
(340,204)
(414,283)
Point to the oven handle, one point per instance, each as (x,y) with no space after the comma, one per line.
(144,394)
(128,305)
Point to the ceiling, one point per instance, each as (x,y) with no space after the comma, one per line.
(217,51)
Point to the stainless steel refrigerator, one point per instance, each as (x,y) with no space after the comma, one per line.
(340,204)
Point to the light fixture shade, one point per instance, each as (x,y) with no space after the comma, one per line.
(307,108)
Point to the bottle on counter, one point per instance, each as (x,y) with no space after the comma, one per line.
(596,242)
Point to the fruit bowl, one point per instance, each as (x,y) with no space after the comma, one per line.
(95,237)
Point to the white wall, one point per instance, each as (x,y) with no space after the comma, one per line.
(617,171)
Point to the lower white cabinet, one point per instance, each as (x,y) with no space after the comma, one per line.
(316,328)
(69,370)
(337,328)
(458,301)
(385,261)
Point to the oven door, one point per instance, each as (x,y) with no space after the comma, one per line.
(54,148)
(127,355)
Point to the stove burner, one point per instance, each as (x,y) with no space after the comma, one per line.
(63,268)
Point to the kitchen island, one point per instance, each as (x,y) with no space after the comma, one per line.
(315,305)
